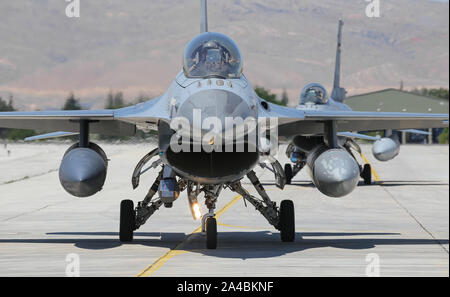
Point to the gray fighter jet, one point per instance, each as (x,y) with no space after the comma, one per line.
(194,157)
(314,97)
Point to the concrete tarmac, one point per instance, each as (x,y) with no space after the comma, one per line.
(397,227)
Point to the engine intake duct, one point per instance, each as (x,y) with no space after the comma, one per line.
(308,143)
(212,167)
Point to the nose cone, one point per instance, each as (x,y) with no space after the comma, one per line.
(385,149)
(335,173)
(214,111)
(82,172)
(214,124)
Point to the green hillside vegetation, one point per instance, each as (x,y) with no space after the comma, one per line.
(267,95)
(438,93)
(12,134)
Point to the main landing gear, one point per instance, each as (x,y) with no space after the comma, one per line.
(131,219)
(290,172)
(366,174)
(283,219)
(127,220)
(365,170)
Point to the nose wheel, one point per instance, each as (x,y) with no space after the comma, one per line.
(211,233)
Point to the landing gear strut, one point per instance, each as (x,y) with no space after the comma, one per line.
(366,170)
(209,222)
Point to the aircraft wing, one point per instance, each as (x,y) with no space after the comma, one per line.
(121,122)
(311,122)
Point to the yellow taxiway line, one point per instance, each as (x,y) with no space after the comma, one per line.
(178,249)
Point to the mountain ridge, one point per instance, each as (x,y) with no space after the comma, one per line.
(137,47)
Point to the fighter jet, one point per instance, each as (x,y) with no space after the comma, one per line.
(314,97)
(213,130)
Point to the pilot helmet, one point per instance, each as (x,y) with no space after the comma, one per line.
(314,93)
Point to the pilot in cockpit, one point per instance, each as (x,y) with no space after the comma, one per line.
(211,58)
(212,55)
(313,94)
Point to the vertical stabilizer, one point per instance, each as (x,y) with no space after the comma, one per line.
(204,17)
(338,93)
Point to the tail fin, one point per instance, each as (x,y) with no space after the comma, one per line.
(204,17)
(338,93)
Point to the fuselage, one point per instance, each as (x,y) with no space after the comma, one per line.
(333,170)
(207,139)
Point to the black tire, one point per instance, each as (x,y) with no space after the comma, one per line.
(211,233)
(127,221)
(288,173)
(367,174)
(287,221)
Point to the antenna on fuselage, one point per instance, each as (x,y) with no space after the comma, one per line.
(338,93)
(204,17)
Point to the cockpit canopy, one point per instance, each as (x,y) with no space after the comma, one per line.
(313,93)
(212,55)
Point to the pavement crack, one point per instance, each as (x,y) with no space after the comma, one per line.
(414,218)
(32,211)
(28,177)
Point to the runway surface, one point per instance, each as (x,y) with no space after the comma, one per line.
(401,222)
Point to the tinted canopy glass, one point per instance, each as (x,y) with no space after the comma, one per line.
(212,55)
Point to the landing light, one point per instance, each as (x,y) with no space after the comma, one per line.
(196,211)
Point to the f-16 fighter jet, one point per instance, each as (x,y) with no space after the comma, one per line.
(213,130)
(314,97)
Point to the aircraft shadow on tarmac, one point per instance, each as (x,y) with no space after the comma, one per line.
(387,183)
(400,183)
(239,245)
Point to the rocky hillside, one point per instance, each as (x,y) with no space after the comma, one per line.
(136,46)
